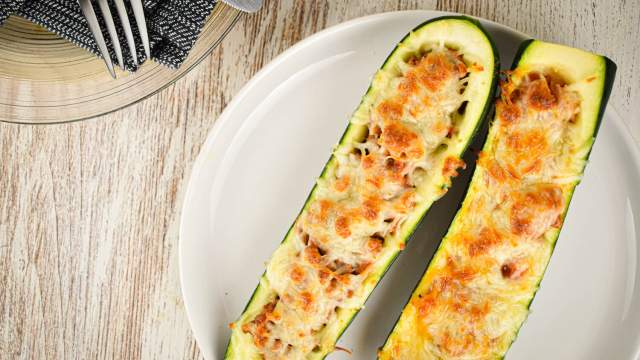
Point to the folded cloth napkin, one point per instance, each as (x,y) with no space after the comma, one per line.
(173,26)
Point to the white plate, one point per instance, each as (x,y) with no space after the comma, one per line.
(265,151)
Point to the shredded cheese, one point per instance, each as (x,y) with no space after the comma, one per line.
(364,201)
(476,292)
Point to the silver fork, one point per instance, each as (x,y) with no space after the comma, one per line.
(94,26)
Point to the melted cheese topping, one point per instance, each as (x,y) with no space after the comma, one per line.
(476,292)
(359,206)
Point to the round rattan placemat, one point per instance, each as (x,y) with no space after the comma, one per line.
(46,79)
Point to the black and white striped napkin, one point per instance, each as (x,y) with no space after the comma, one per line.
(173,25)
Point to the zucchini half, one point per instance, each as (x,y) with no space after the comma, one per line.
(460,33)
(478,287)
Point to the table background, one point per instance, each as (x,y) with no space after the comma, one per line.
(89,211)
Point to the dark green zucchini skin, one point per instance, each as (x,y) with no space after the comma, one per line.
(610,77)
(610,73)
(486,112)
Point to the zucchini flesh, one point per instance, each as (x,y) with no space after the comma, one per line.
(478,287)
(275,314)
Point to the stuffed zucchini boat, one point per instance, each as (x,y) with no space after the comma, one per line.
(397,156)
(476,292)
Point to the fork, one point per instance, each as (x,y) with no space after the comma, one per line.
(94,26)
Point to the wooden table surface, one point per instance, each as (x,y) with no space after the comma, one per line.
(89,211)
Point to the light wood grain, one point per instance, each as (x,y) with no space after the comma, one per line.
(89,211)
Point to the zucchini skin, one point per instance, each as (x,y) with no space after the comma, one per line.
(486,111)
(609,73)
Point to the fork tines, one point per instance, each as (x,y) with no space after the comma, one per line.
(94,26)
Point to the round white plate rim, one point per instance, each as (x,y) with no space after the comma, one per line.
(239,98)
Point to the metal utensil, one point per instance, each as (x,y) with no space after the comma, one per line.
(94,26)
(249,6)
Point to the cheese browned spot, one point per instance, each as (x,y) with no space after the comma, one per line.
(342,183)
(371,208)
(344,229)
(540,96)
(306,299)
(451,166)
(433,71)
(491,258)
(401,141)
(260,327)
(342,226)
(535,210)
(375,243)
(390,109)
(508,112)
(297,274)
(482,243)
